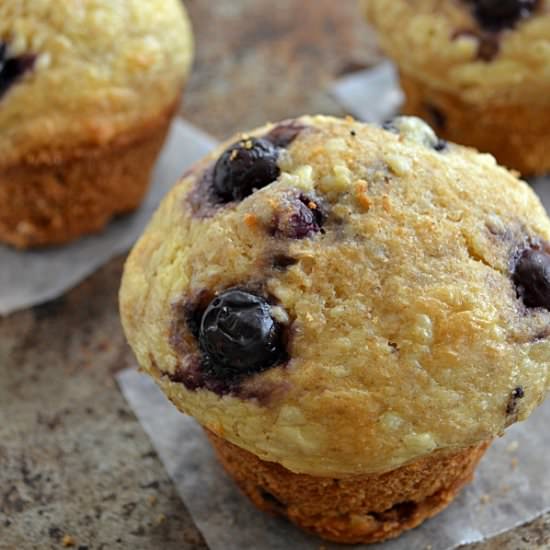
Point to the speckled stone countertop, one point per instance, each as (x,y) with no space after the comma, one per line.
(76,468)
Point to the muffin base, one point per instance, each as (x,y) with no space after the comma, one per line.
(355,509)
(517,135)
(60,198)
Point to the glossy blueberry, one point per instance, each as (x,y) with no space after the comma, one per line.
(238,334)
(531,275)
(496,15)
(244,167)
(12,68)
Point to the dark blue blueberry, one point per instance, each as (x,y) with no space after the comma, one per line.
(496,15)
(531,275)
(244,167)
(238,334)
(12,68)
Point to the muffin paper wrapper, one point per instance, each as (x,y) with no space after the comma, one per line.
(30,278)
(511,486)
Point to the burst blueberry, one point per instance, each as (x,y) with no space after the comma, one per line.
(239,335)
(303,217)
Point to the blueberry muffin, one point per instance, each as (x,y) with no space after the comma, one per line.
(477,70)
(87,92)
(352,313)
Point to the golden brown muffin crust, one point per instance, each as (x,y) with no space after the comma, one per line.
(60,198)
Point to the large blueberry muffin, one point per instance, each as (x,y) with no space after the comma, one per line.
(87,92)
(477,70)
(352,312)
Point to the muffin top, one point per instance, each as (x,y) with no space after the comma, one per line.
(482,50)
(77,74)
(342,298)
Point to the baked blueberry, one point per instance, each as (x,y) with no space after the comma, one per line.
(12,68)
(302,218)
(500,14)
(284,134)
(531,276)
(244,167)
(239,335)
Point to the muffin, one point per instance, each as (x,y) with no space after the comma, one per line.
(351,312)
(476,70)
(87,93)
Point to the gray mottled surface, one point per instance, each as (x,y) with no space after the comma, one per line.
(73,458)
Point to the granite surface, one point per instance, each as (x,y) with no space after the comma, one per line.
(76,468)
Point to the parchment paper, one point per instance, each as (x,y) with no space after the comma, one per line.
(372,95)
(512,484)
(31,278)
